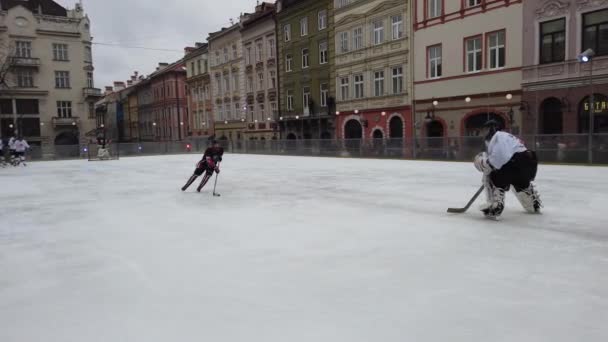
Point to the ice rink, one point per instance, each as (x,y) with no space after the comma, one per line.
(297,249)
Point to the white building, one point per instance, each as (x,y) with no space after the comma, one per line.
(48,93)
(226,72)
(261,73)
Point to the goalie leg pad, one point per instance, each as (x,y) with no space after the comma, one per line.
(495,199)
(529,199)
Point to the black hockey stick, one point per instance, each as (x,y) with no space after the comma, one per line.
(462,210)
(215,194)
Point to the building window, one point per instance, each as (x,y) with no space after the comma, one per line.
(248,56)
(342,3)
(237,109)
(306,98)
(60,52)
(322,20)
(496,49)
(379,83)
(359,86)
(553,41)
(595,32)
(217,58)
(250,84)
(435,8)
(235,82)
(397,26)
(304,26)
(218,85)
(378,32)
(271,48)
(344,88)
(64,109)
(358,38)
(62,79)
(90,83)
(88,54)
(198,67)
(226,56)
(324,94)
(474,54)
(25,78)
(220,112)
(343,42)
(227,83)
(287,32)
(473,3)
(273,107)
(288,60)
(397,80)
(260,52)
(23,49)
(290,100)
(273,79)
(305,63)
(235,53)
(323,54)
(261,81)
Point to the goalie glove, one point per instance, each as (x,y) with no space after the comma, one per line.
(482,164)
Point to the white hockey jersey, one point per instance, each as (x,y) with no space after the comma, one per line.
(21,145)
(11,143)
(502,147)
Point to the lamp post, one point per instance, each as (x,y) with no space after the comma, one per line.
(587,57)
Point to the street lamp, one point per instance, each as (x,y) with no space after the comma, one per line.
(467,100)
(509,97)
(587,57)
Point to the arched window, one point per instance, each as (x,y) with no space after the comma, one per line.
(551,117)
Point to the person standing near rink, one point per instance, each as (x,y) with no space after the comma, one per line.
(20,146)
(2,162)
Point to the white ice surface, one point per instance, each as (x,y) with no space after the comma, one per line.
(296,249)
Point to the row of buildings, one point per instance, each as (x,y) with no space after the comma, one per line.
(47,90)
(364,69)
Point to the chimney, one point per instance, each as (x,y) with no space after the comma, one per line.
(109,89)
(161,66)
(119,85)
(129,83)
(133,78)
(187,50)
(198,44)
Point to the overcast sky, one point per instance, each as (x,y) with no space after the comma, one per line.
(154,24)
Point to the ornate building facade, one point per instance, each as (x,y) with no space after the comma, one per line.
(47,92)
(372,69)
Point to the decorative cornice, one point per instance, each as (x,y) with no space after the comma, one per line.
(552,8)
(584,4)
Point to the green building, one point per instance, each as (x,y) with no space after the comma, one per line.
(306,80)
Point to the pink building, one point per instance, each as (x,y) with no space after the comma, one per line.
(165,113)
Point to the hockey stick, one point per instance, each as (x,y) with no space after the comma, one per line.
(462,210)
(215,194)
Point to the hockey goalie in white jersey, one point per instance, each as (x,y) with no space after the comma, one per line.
(507,163)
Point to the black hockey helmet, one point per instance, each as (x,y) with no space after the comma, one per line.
(493,126)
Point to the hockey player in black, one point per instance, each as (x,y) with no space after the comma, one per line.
(208,164)
(507,162)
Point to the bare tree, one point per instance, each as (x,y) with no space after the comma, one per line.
(7,54)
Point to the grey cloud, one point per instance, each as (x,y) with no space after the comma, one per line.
(154,24)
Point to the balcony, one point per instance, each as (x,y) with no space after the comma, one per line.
(63,122)
(91,92)
(27,62)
